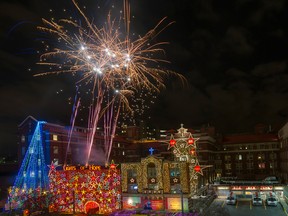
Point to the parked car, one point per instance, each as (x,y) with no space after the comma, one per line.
(256,199)
(231,199)
(271,199)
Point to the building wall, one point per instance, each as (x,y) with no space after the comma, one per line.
(283,138)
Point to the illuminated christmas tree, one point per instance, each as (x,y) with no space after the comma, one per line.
(32,179)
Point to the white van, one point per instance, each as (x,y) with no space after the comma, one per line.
(256,199)
(271,199)
(231,199)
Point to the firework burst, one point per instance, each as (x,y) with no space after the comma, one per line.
(106,58)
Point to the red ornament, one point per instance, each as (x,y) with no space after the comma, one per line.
(192,151)
(190,141)
(112,166)
(172,142)
(197,168)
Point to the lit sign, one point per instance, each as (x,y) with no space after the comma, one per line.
(278,188)
(157,205)
(132,202)
(237,188)
(266,188)
(89,167)
(223,188)
(250,188)
(175,203)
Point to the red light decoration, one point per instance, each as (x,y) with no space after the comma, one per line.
(97,189)
(190,141)
(112,166)
(192,151)
(172,142)
(197,168)
(26,212)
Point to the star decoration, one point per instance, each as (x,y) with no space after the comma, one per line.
(113,165)
(52,167)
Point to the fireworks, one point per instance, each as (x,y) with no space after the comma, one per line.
(108,59)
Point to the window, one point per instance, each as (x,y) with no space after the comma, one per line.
(123,153)
(218,166)
(151,170)
(151,174)
(261,165)
(273,156)
(55,137)
(22,138)
(250,165)
(273,165)
(261,157)
(174,172)
(56,161)
(239,157)
(55,149)
(228,166)
(118,145)
(239,166)
(249,156)
(227,157)
(131,173)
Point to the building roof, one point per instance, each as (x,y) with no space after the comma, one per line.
(26,119)
(249,138)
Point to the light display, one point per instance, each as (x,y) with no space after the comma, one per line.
(32,179)
(89,189)
(184,147)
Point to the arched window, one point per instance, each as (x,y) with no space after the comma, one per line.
(151,175)
(151,170)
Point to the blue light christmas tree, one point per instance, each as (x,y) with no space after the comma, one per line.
(32,178)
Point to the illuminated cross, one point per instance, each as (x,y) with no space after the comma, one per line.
(151,150)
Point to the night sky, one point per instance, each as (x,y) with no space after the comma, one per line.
(233,55)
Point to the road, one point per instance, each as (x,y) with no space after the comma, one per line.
(244,208)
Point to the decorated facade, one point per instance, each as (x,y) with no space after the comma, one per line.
(162,184)
(89,189)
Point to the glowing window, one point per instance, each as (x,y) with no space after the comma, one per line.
(123,153)
(261,165)
(56,161)
(22,138)
(55,137)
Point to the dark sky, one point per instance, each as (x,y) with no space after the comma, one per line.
(233,54)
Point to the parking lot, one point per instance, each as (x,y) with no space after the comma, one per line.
(245,208)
